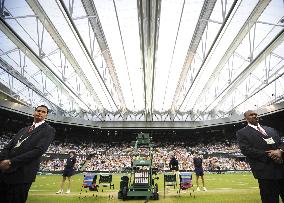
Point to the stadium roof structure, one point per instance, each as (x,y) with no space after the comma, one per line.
(143,60)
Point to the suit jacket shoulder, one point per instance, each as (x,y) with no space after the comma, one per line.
(26,158)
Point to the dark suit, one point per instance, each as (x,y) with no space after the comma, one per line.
(173,165)
(25,159)
(270,174)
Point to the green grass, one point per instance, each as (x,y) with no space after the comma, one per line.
(222,188)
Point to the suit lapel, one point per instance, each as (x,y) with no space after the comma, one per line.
(267,131)
(256,132)
(259,134)
(24,134)
(37,129)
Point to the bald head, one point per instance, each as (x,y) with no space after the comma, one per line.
(251,117)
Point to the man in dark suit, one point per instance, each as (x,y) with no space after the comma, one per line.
(20,158)
(264,151)
(173,165)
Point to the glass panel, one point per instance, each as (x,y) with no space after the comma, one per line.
(113,81)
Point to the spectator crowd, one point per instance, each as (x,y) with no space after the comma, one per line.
(118,157)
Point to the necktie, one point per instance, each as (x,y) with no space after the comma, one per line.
(31,128)
(261,131)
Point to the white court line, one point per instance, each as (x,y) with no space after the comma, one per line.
(224,188)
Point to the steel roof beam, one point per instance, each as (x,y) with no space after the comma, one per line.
(10,70)
(251,67)
(84,48)
(251,20)
(20,43)
(46,22)
(219,34)
(149,21)
(90,9)
(274,77)
(204,16)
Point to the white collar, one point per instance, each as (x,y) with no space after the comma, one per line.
(255,127)
(38,124)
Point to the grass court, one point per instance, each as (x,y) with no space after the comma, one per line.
(222,188)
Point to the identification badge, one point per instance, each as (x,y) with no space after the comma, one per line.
(269,140)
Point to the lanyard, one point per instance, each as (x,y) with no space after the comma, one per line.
(19,142)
